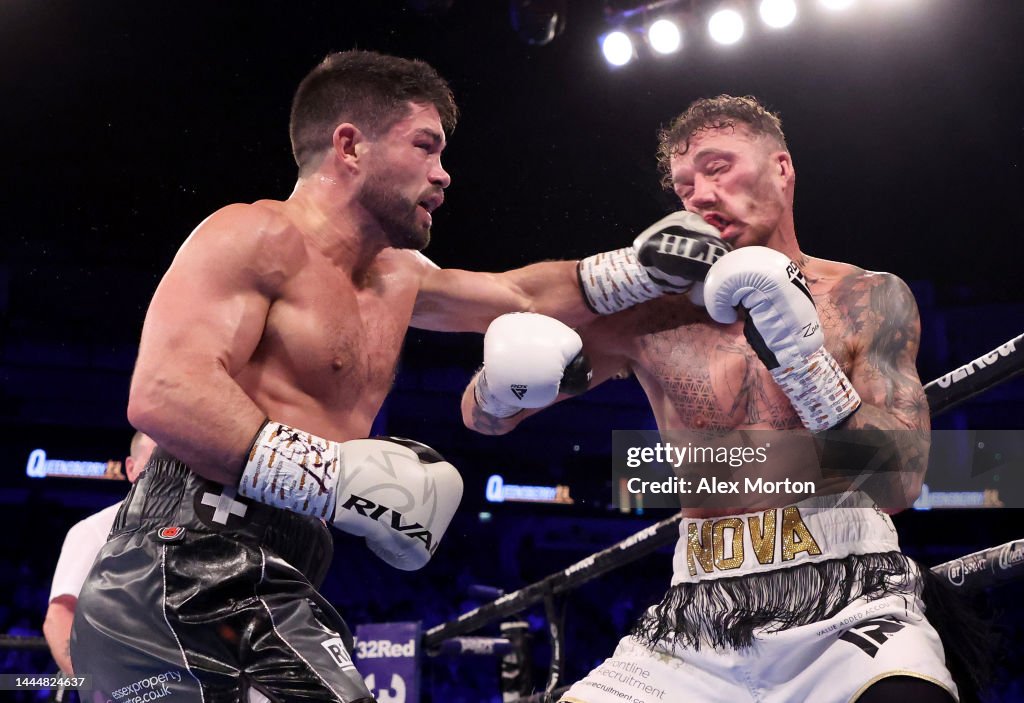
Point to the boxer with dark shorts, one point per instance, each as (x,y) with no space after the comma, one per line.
(767,602)
(234,582)
(266,353)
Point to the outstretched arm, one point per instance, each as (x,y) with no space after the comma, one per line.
(453,300)
(667,257)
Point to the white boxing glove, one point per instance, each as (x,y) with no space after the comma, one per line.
(667,257)
(398,494)
(528,358)
(783,328)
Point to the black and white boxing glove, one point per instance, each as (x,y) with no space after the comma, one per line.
(528,360)
(782,326)
(398,494)
(670,256)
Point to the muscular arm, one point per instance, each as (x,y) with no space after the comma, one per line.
(205,320)
(886,324)
(452,300)
(57,630)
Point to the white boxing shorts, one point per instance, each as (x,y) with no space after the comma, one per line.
(736,563)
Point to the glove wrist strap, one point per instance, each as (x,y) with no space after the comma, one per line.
(488,402)
(820,392)
(615,280)
(291,469)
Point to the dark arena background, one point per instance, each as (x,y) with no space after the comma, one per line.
(126,123)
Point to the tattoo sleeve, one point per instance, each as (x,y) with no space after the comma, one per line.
(885,323)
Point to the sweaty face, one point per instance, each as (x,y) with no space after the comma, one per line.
(738,182)
(404,181)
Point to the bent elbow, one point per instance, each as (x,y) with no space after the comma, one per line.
(48,627)
(145,404)
(140,411)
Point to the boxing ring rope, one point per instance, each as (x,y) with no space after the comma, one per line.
(981,569)
(973,571)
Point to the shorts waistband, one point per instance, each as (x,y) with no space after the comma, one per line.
(169,494)
(817,529)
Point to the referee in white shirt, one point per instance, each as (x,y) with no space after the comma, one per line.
(81,545)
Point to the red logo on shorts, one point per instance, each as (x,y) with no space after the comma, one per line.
(170,534)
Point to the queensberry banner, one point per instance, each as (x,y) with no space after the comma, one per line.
(387,655)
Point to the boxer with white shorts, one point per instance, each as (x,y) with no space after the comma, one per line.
(768,338)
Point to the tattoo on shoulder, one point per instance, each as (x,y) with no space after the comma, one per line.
(882,317)
(881,313)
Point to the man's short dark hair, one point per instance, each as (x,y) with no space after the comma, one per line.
(368,89)
(719,112)
(133,447)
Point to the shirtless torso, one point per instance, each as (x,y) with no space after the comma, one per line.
(705,377)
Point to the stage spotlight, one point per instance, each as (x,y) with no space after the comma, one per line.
(726,26)
(664,36)
(617,48)
(778,13)
(836,4)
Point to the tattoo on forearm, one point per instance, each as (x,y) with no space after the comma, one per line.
(485,423)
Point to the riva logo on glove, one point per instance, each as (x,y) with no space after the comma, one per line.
(378,511)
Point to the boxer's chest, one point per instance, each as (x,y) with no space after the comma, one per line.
(705,375)
(340,342)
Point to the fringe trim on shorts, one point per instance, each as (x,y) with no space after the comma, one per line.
(726,612)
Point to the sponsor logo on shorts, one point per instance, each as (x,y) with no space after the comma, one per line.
(862,614)
(170,534)
(339,652)
(870,635)
(151,688)
(625,679)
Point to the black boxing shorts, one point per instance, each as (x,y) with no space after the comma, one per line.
(200,595)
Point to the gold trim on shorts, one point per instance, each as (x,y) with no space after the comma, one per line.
(901,672)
